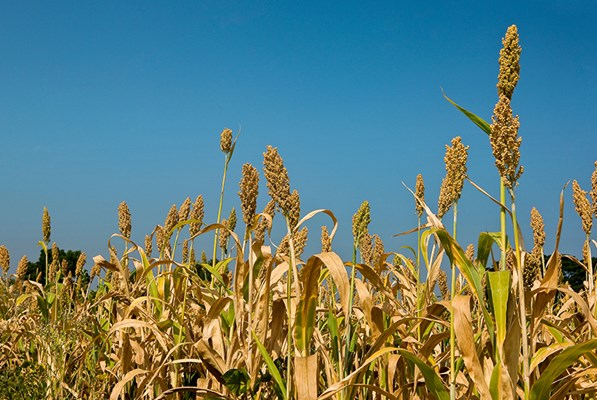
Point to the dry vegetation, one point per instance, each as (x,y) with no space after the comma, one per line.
(265,321)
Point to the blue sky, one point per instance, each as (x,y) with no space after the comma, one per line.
(108,101)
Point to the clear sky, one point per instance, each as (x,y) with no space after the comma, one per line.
(124,100)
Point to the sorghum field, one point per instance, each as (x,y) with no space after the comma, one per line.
(254,317)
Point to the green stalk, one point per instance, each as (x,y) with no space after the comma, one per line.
(350,304)
(452,331)
(290,274)
(217,233)
(521,305)
(503,224)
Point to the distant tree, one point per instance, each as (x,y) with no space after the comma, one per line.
(574,274)
(38,268)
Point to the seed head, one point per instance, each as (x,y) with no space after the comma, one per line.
(224,235)
(4,259)
(420,193)
(509,63)
(148,245)
(226,140)
(264,224)
(470,252)
(582,207)
(95,271)
(360,221)
(80,264)
(586,252)
(197,213)
(300,241)
(64,267)
(124,220)
(171,220)
(160,238)
(184,210)
(378,249)
(456,172)
(276,176)
(249,189)
(530,272)
(505,142)
(538,228)
(185,251)
(442,281)
(45,225)
(232,219)
(326,241)
(366,248)
(294,208)
(22,268)
(594,190)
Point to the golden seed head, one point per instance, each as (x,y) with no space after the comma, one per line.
(582,207)
(360,221)
(326,241)
(192,258)
(197,213)
(203,257)
(249,189)
(284,246)
(366,248)
(64,267)
(538,228)
(420,193)
(171,221)
(55,253)
(505,142)
(22,268)
(148,245)
(294,208)
(586,252)
(80,263)
(276,176)
(226,140)
(124,220)
(300,241)
(184,210)
(470,252)
(509,63)
(442,281)
(232,219)
(160,238)
(456,172)
(378,249)
(264,224)
(4,259)
(185,251)
(530,272)
(224,235)
(45,225)
(594,190)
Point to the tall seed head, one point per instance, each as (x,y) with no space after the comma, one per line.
(22,268)
(171,221)
(185,251)
(232,219)
(300,241)
(366,248)
(326,241)
(80,264)
(378,249)
(538,228)
(249,189)
(4,259)
(582,207)
(124,220)
(264,224)
(442,281)
(226,140)
(197,213)
(276,176)
(470,252)
(224,235)
(45,225)
(360,221)
(594,190)
(148,245)
(294,208)
(184,210)
(505,142)
(420,193)
(456,172)
(509,63)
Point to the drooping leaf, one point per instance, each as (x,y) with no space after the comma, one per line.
(480,122)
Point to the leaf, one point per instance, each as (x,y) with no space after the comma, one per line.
(542,388)
(237,381)
(432,381)
(480,122)
(305,318)
(306,375)
(499,282)
(271,366)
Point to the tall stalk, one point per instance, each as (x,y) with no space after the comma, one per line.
(220,204)
(452,331)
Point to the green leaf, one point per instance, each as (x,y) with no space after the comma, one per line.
(432,381)
(237,381)
(542,388)
(485,243)
(271,366)
(305,318)
(499,282)
(480,122)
